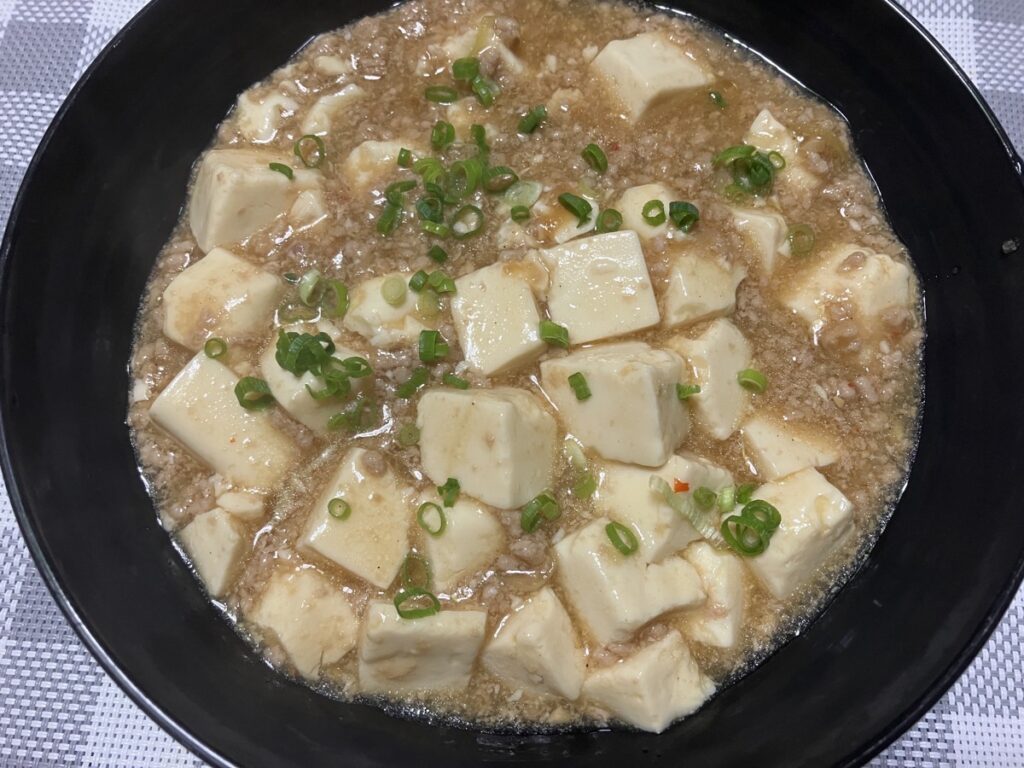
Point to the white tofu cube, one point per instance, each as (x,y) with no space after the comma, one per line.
(310,617)
(633,413)
(766,231)
(816,519)
(631,205)
(496,319)
(472,538)
(260,117)
(600,287)
(383,325)
(613,594)
(435,653)
(536,648)
(200,410)
(308,210)
(236,194)
(373,540)
(653,687)
(769,135)
(778,448)
(371,163)
(716,357)
(699,288)
(646,69)
(624,493)
(242,505)
(215,545)
(718,622)
(869,282)
(219,295)
(317,121)
(499,443)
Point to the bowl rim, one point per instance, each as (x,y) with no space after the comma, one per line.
(860,754)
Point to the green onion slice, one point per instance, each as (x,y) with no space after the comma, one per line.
(520,213)
(524,193)
(440,282)
(609,220)
(553,333)
(441,94)
(777,160)
(405,158)
(532,119)
(408,435)
(686,391)
(717,99)
(579,385)
(310,288)
(704,497)
(478,134)
(727,499)
(410,386)
(418,280)
(541,507)
(577,206)
(705,523)
(335,298)
(744,492)
(595,157)
(432,347)
(428,305)
(443,135)
(436,229)
(750,532)
(339,509)
(466,222)
(394,290)
(485,90)
(215,348)
(310,150)
(753,172)
(653,212)
(801,239)
(284,170)
(466,68)
(416,573)
(438,254)
(752,380)
(456,382)
(585,486)
(388,219)
(416,603)
(622,538)
(431,518)
(683,215)
(395,193)
(431,209)
(464,177)
(253,394)
(499,178)
(449,492)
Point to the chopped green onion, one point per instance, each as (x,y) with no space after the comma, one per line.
(705,523)
(404,158)
(541,507)
(750,532)
(464,177)
(443,135)
(585,486)
(432,346)
(339,509)
(360,415)
(438,229)
(301,352)
(753,172)
(356,367)
(428,305)
(310,157)
(285,170)
(430,169)
(718,99)
(466,222)
(622,538)
(335,298)
(653,212)
(253,394)
(408,435)
(466,68)
(449,492)
(683,215)
(418,280)
(744,492)
(416,603)
(410,386)
(577,206)
(578,382)
(395,193)
(520,213)
(801,239)
(435,528)
(441,94)
(609,220)
(309,287)
(553,333)
(595,157)
(727,498)
(532,119)
(574,453)
(455,381)
(752,380)
(394,290)
(388,219)
(416,572)
(338,386)
(438,254)
(499,178)
(478,134)
(732,154)
(290,277)
(485,90)
(215,347)
(440,282)
(686,391)
(777,160)
(704,497)
(524,193)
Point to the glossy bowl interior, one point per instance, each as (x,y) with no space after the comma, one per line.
(104,192)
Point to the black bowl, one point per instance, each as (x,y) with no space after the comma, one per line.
(103,193)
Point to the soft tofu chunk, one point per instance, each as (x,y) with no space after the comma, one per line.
(373,541)
(311,618)
(372,162)
(200,410)
(633,413)
(766,232)
(472,538)
(496,318)
(816,519)
(332,65)
(653,687)
(715,358)
(646,69)
(259,117)
(625,494)
(867,281)
(237,194)
(318,119)
(219,295)
(499,443)
(383,325)
(631,206)
(778,448)
(614,594)
(699,288)
(719,620)
(215,546)
(600,287)
(308,210)
(769,135)
(535,648)
(434,653)
(482,40)
(243,505)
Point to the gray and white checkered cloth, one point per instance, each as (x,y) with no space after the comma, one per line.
(57,707)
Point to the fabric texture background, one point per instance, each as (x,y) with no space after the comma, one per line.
(57,707)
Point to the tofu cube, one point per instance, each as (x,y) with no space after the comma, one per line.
(215,546)
(868,282)
(371,163)
(766,231)
(653,687)
(318,119)
(499,443)
(778,448)
(600,287)
(383,325)
(718,622)
(260,117)
(219,295)
(613,594)
(242,505)
(699,288)
(624,493)
(496,319)
(631,205)
(633,413)
(435,653)
(715,358)
(470,43)
(769,135)
(472,539)
(816,519)
(308,210)
(646,69)
(236,194)
(536,648)
(310,617)
(199,409)
(373,540)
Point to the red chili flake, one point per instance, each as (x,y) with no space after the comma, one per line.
(614,146)
(680,487)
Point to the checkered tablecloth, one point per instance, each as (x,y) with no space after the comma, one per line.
(57,707)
